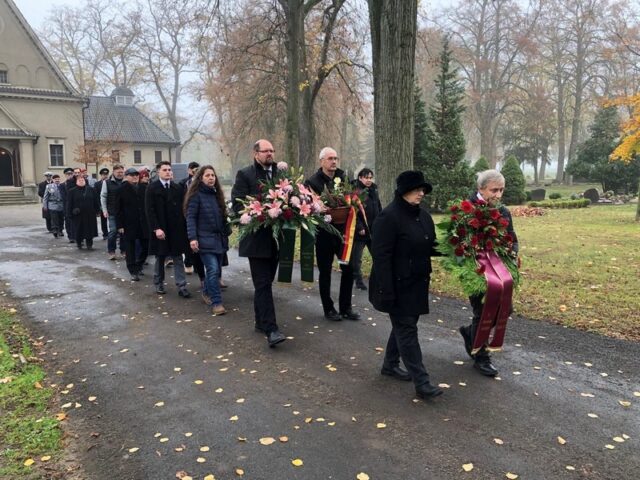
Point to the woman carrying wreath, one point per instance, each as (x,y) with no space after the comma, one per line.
(402,248)
(490,185)
(207,229)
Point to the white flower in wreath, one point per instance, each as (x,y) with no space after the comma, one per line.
(337,181)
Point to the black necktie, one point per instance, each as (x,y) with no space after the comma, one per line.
(166,185)
(269,174)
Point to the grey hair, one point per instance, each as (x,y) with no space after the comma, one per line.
(487,177)
(324,151)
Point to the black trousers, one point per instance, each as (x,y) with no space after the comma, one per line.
(403,344)
(476,306)
(104,226)
(57,221)
(263,272)
(327,248)
(135,257)
(356,258)
(68,224)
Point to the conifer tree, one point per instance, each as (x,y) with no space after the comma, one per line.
(514,193)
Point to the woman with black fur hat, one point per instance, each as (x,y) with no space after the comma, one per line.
(402,247)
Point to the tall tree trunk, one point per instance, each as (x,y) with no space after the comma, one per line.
(307,135)
(638,207)
(543,165)
(562,129)
(393,33)
(294,13)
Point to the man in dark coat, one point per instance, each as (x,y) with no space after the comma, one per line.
(259,247)
(192,169)
(104,226)
(402,246)
(372,207)
(328,245)
(41,188)
(490,185)
(131,221)
(65,187)
(167,227)
(83,207)
(108,193)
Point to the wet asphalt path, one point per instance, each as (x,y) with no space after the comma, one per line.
(196,393)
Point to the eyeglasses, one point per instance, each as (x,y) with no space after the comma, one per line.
(332,158)
(266,151)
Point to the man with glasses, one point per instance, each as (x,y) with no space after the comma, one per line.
(167,228)
(372,207)
(328,245)
(259,247)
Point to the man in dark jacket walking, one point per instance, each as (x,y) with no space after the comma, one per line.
(167,227)
(108,193)
(260,247)
(372,207)
(65,189)
(131,221)
(41,188)
(490,185)
(328,245)
(192,169)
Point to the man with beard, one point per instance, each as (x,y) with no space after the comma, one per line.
(259,247)
(167,228)
(131,221)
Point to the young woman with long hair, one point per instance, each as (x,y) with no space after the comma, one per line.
(206,214)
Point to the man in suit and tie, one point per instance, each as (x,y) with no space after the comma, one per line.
(167,227)
(259,247)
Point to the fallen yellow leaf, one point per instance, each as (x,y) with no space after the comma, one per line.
(46,458)
(381,425)
(498,441)
(219,390)
(234,418)
(562,308)
(362,476)
(38,385)
(242,439)
(61,416)
(201,459)
(133,450)
(592,415)
(240,400)
(267,440)
(239,472)
(164,440)
(283,439)
(467,467)
(188,434)
(609,446)
(204,449)
(92,398)
(159,404)
(570,468)
(511,476)
(297,462)
(561,441)
(28,462)
(636,394)
(198,382)
(624,403)
(209,477)
(618,439)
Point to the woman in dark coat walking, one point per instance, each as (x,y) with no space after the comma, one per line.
(205,212)
(83,207)
(402,247)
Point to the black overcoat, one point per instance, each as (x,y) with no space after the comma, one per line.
(402,246)
(83,207)
(164,211)
(261,243)
(130,213)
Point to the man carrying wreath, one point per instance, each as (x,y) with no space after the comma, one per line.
(490,184)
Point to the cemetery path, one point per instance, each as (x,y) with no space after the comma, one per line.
(160,386)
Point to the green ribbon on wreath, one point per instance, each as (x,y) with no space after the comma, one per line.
(287,253)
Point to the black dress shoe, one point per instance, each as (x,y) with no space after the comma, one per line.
(466,336)
(184,293)
(160,290)
(485,367)
(396,372)
(428,391)
(275,338)
(135,277)
(350,315)
(332,315)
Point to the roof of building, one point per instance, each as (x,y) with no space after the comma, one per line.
(16,132)
(122,92)
(106,121)
(40,92)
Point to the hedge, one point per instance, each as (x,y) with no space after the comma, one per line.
(582,203)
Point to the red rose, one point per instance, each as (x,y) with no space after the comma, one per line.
(484,223)
(489,245)
(492,231)
(474,241)
(503,221)
(462,232)
(287,214)
(479,214)
(480,270)
(474,223)
(260,218)
(454,208)
(454,240)
(481,202)
(495,213)
(459,251)
(508,238)
(480,236)
(466,206)
(454,218)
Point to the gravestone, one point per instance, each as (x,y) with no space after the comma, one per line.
(538,194)
(592,194)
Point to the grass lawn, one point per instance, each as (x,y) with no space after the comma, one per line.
(29,435)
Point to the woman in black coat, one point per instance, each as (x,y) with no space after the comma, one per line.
(83,207)
(402,247)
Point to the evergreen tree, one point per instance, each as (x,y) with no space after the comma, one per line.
(514,193)
(444,165)
(592,160)
(421,131)
(481,165)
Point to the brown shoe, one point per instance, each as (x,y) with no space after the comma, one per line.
(218,310)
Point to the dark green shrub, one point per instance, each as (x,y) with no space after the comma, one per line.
(514,182)
(555,196)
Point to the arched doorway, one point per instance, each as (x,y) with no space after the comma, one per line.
(6,168)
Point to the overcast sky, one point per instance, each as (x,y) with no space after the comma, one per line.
(35,11)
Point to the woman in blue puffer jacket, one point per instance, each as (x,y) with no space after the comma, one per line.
(208,230)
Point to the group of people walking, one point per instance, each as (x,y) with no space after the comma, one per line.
(188,222)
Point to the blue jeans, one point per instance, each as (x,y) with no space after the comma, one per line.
(113,236)
(212,268)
